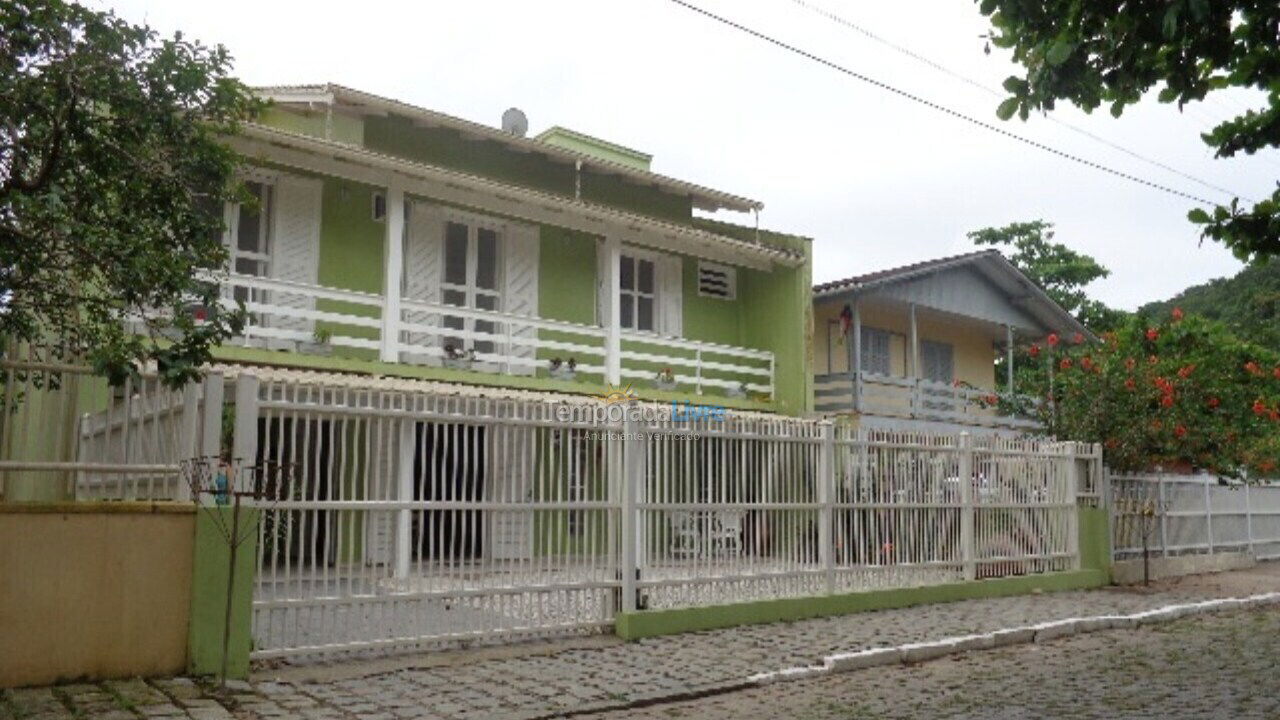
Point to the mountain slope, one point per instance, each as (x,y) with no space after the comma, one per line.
(1248,303)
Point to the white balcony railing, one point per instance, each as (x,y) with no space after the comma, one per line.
(918,398)
(314,319)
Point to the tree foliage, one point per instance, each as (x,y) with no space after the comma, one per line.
(1248,303)
(112,156)
(1174,391)
(1095,52)
(1060,271)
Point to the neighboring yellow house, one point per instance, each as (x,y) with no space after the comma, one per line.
(916,347)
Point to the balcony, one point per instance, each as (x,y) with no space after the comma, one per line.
(913,398)
(323,321)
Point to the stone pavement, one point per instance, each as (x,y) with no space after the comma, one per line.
(550,680)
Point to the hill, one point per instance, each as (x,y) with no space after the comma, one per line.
(1248,303)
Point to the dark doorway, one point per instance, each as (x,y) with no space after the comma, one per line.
(450,466)
(293,460)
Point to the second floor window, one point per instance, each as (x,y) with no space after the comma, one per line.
(637,293)
(875,350)
(471,262)
(937,362)
(250,241)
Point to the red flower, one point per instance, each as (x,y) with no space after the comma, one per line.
(1259,407)
(1152,360)
(1177,313)
(1111,443)
(1130,384)
(1185,372)
(199,314)
(1252,368)
(1166,401)
(1153,334)
(1052,339)
(1077,338)
(1276,373)
(1180,431)
(1086,362)
(1065,364)
(1035,352)
(1275,415)
(1214,402)
(1162,384)
(1129,363)
(992,400)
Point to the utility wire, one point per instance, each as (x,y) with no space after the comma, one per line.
(935,106)
(996,93)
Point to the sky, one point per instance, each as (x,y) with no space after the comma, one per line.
(877,181)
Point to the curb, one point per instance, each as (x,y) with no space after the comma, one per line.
(1042,632)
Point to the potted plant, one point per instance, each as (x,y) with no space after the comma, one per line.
(564,370)
(319,343)
(665,379)
(458,358)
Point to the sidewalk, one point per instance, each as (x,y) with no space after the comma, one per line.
(594,674)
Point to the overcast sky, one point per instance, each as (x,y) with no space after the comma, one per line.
(876,180)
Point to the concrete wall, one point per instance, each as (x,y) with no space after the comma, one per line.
(94,590)
(1129,572)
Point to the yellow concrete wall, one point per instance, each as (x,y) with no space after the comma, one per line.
(973,355)
(93,591)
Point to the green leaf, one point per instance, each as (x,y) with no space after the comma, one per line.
(1007,108)
(1059,51)
(1199,216)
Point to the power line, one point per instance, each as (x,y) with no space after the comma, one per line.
(996,93)
(935,106)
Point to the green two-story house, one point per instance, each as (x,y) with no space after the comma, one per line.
(394,240)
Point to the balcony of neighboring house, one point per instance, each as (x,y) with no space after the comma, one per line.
(357,261)
(930,346)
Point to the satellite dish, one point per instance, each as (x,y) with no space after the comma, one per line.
(514,122)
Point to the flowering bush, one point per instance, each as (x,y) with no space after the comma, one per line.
(1182,391)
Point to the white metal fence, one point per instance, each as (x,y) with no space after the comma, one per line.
(1189,514)
(417,519)
(66,434)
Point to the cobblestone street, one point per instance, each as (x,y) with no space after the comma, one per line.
(602,674)
(1215,666)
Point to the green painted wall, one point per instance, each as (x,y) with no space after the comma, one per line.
(209,592)
(351,256)
(1095,539)
(339,127)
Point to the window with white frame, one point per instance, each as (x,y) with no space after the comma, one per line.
(638,291)
(717,281)
(471,280)
(249,232)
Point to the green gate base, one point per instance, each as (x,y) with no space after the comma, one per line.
(653,623)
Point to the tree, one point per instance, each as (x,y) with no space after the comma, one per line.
(113,170)
(1060,271)
(1090,52)
(1179,390)
(1248,304)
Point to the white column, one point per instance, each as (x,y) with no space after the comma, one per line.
(407,446)
(1008,359)
(1208,516)
(244,447)
(1248,518)
(856,365)
(914,352)
(826,497)
(968,541)
(612,319)
(211,422)
(393,274)
(631,520)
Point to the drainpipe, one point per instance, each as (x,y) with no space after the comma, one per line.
(577,179)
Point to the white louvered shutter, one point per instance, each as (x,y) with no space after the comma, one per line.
(670,295)
(422,258)
(602,282)
(295,250)
(520,290)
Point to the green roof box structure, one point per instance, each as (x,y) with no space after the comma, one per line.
(595,147)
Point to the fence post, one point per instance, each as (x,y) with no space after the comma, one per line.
(1208,517)
(404,493)
(244,444)
(826,481)
(1248,517)
(189,440)
(632,475)
(211,420)
(1073,487)
(968,543)
(1163,508)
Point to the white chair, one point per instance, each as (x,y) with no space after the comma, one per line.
(686,540)
(726,532)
